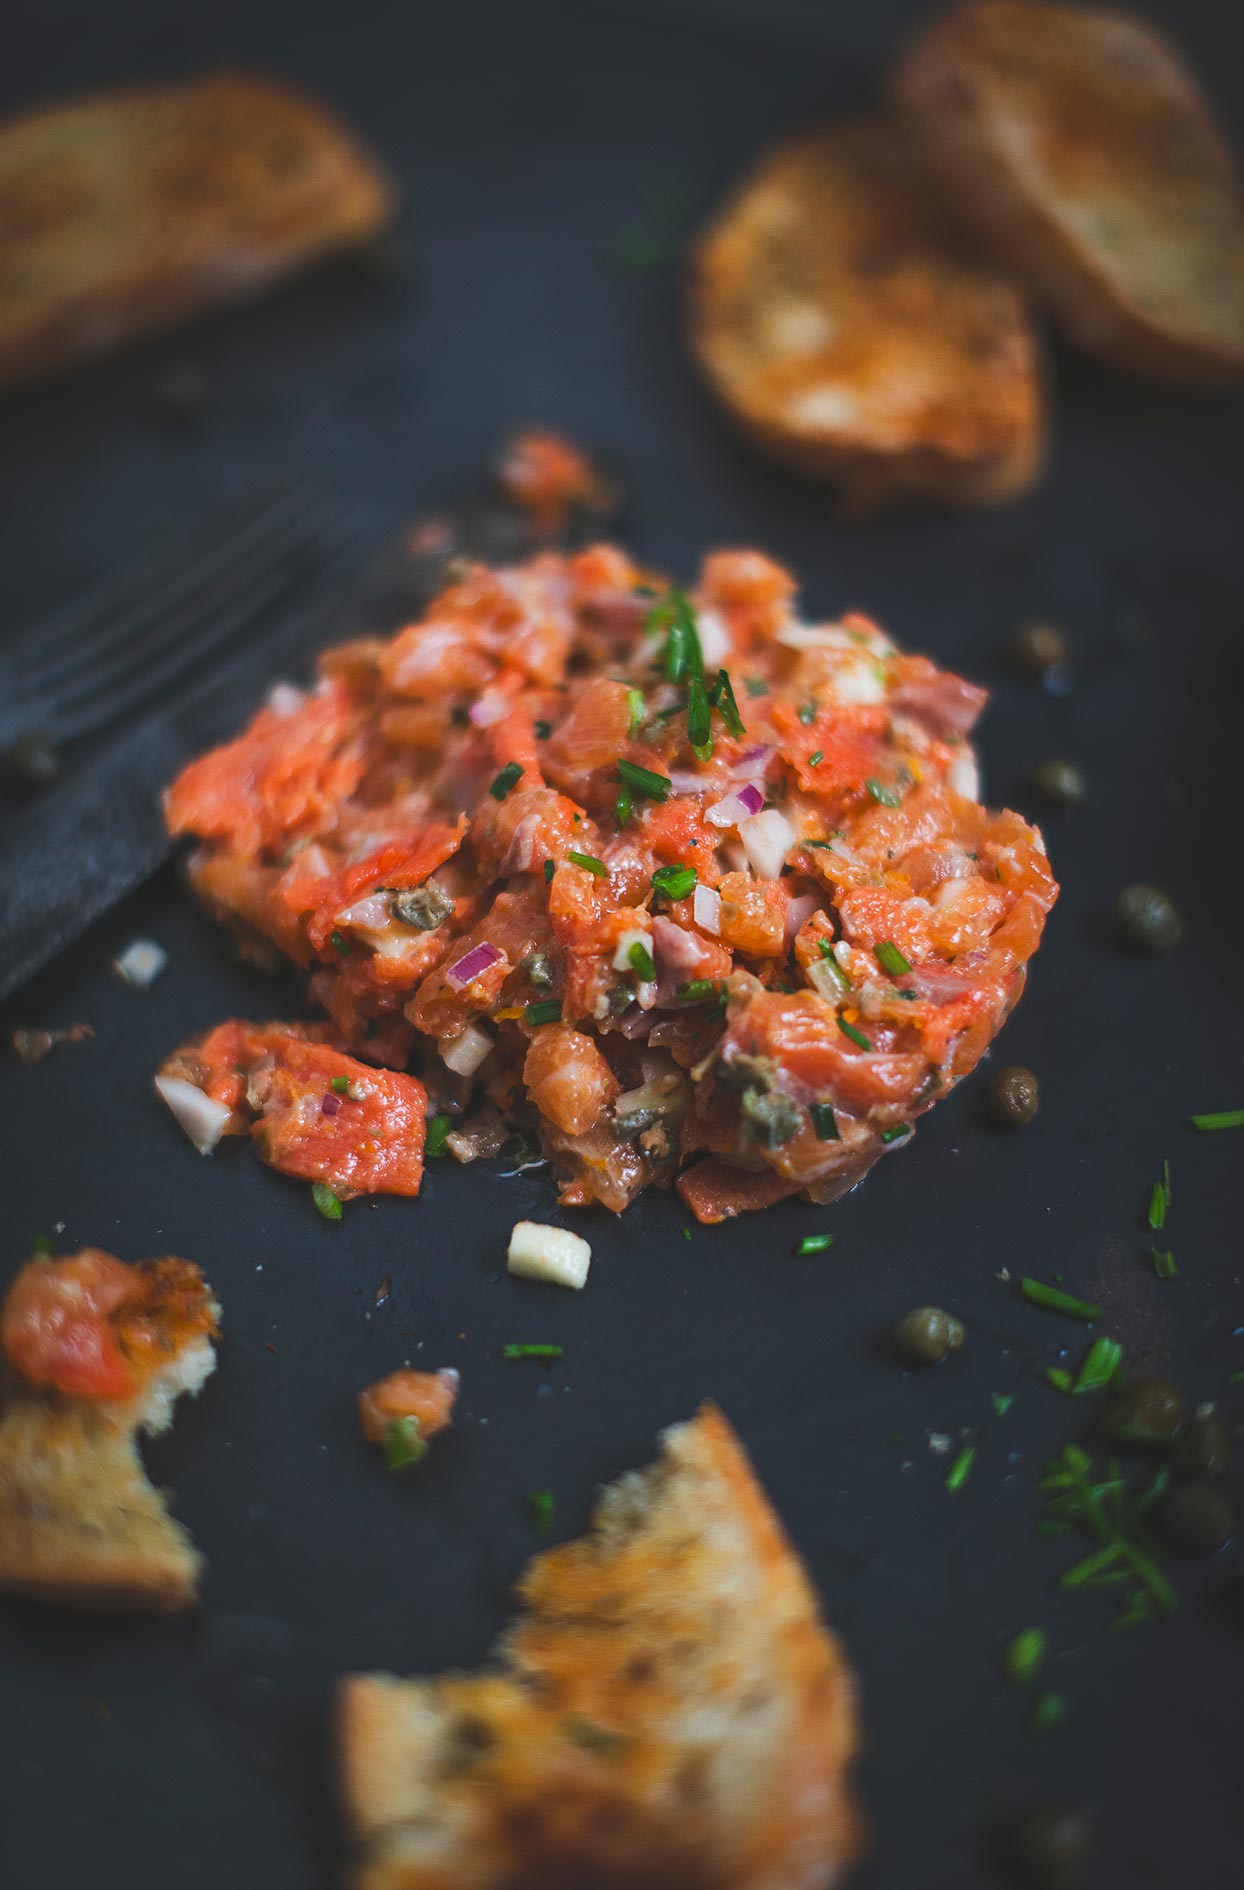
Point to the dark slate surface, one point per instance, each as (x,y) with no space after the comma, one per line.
(196,1752)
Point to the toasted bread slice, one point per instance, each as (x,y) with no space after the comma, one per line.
(81,1526)
(1084,150)
(851,334)
(668,1713)
(126,212)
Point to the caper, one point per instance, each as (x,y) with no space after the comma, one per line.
(1193,1518)
(1013,1097)
(1148,1411)
(1042,652)
(771,1116)
(1147,919)
(539,969)
(1202,1447)
(1046,1847)
(1059,781)
(927,1335)
(424,907)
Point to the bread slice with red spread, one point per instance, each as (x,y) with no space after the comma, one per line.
(95,1353)
(667,1713)
(131,210)
(1086,153)
(852,333)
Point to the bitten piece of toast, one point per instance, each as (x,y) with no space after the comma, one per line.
(125,212)
(1085,152)
(668,1712)
(81,1526)
(850,332)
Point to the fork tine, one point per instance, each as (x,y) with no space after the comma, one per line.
(182,625)
(229,616)
(115,611)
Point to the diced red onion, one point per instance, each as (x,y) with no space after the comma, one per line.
(472,965)
(200,1115)
(486,710)
(621,960)
(797,911)
(706,910)
(683,781)
(330,1103)
(767,839)
(715,643)
(737,807)
(751,766)
(464,1054)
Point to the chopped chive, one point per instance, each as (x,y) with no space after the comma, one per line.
(1163,1263)
(682,655)
(42,1247)
(816,757)
(961,1469)
(686,1233)
(1220,1119)
(437,1137)
(1001,1402)
(826,846)
(340,945)
(543,731)
(1055,1301)
(531,1351)
(807,713)
(622,806)
(1235,1378)
(857,1036)
(645,780)
(327,1202)
(341,1084)
(1024,1656)
(1156,1215)
(673,882)
(641,961)
(700,990)
(824,1122)
(635,705)
(896,1134)
(1060,1379)
(890,958)
(755,685)
(544,1011)
(1099,1366)
(886,796)
(1166,1182)
(699,719)
(589,863)
(723,699)
(550,867)
(814,1243)
(509,776)
(540,1507)
(403,1444)
(1048,1711)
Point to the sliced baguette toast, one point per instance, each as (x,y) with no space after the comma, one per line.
(81,1526)
(126,212)
(1081,147)
(668,1712)
(851,335)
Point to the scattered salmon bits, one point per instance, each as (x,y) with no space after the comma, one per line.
(686,884)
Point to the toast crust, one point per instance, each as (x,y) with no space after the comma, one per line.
(851,333)
(668,1713)
(126,212)
(1079,145)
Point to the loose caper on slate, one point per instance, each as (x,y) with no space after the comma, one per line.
(1042,652)
(1193,1518)
(1059,781)
(927,1335)
(1046,1848)
(1147,920)
(1202,1447)
(1148,1411)
(1013,1096)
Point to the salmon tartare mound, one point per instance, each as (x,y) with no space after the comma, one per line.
(690,886)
